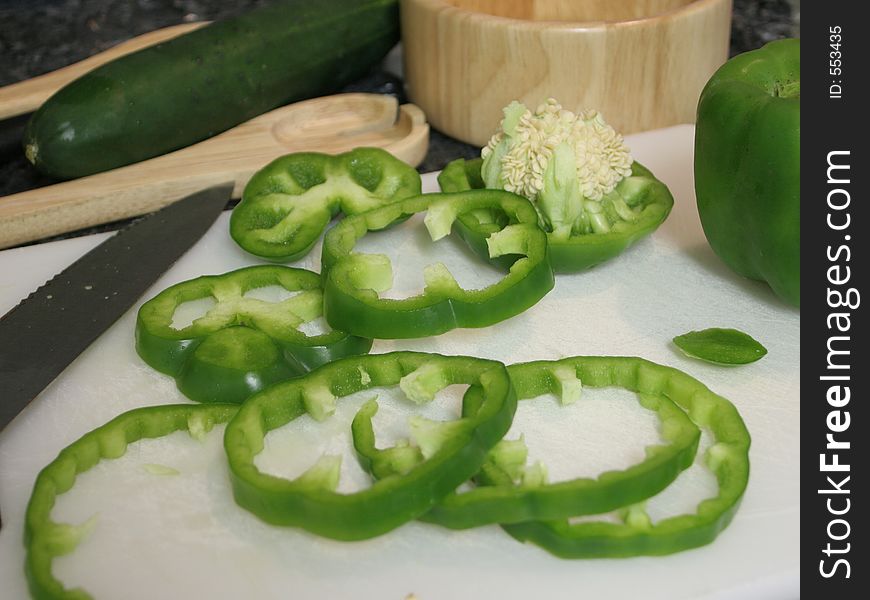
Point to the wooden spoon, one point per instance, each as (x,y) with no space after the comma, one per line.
(330,124)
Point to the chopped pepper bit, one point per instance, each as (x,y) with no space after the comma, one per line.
(63,538)
(319,401)
(534,476)
(510,456)
(162,470)
(568,386)
(636,517)
(421,384)
(431,435)
(198,426)
(322,475)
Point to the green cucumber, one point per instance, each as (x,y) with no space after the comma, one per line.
(187,89)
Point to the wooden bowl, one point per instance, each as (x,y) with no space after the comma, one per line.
(641,63)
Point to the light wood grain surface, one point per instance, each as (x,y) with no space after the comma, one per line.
(28,95)
(331,124)
(571,10)
(641,63)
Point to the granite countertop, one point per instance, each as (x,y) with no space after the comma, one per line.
(37,36)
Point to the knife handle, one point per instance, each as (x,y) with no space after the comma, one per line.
(28,95)
(331,124)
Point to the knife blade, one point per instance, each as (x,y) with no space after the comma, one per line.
(41,336)
(57,322)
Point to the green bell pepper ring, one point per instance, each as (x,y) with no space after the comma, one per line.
(638,205)
(505,493)
(242,344)
(453,451)
(45,539)
(747,165)
(727,458)
(287,205)
(353,280)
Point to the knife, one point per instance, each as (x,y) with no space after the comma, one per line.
(72,309)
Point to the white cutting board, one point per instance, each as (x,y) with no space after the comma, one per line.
(185,538)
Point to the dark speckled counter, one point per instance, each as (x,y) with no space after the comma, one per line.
(37,36)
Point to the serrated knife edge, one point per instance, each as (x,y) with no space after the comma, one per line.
(109,278)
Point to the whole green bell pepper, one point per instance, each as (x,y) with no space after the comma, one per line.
(747,165)
(242,343)
(288,203)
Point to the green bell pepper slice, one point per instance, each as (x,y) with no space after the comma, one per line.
(747,165)
(450,452)
(638,205)
(287,205)
(727,458)
(45,539)
(509,491)
(353,280)
(242,344)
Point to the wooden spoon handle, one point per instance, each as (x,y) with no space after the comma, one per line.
(28,95)
(330,124)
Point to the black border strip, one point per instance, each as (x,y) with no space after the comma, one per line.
(834,256)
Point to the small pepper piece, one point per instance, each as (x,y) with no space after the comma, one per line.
(721,346)
(287,204)
(634,209)
(353,280)
(727,458)
(242,344)
(455,453)
(510,492)
(45,539)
